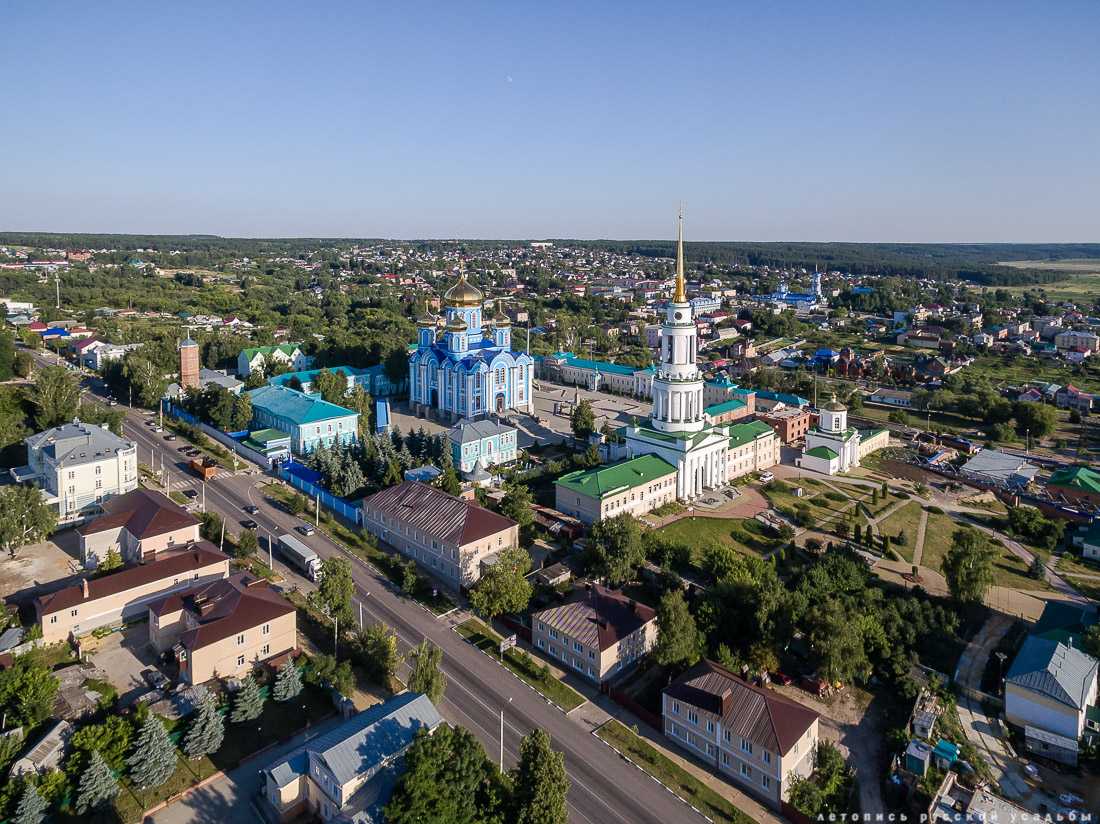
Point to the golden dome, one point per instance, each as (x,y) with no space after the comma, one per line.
(463,293)
(501,319)
(456,324)
(833,406)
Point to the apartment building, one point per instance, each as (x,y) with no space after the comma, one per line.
(753,447)
(223,628)
(78,466)
(790,423)
(725,412)
(1077,341)
(137,525)
(126,594)
(752,735)
(481,443)
(308,420)
(598,635)
(448,536)
(637,486)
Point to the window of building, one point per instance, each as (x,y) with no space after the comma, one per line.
(554,634)
(710,726)
(577,646)
(767,757)
(765,781)
(592,655)
(240,639)
(675,707)
(726,758)
(265,629)
(240,660)
(728,736)
(266,650)
(538,643)
(746,746)
(693,717)
(53,619)
(746,770)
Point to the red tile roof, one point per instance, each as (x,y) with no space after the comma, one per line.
(225,608)
(760,715)
(435,513)
(171,565)
(143,513)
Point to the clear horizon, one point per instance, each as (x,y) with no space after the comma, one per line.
(791,123)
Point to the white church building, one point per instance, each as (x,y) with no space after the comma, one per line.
(832,446)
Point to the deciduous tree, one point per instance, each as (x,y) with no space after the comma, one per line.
(378,648)
(540,782)
(517,503)
(583,420)
(679,642)
(55,397)
(968,565)
(616,549)
(25,517)
(504,586)
(426,676)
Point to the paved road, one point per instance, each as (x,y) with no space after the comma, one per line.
(605,788)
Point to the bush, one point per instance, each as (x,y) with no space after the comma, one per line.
(934,510)
(900,493)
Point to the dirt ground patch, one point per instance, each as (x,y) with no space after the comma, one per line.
(40,568)
(123,656)
(854,721)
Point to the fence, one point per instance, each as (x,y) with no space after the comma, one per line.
(306,480)
(626,702)
(224,438)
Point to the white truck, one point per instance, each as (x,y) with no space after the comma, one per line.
(300,556)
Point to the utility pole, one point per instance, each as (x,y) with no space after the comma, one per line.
(57,286)
(221,540)
(317,511)
(204,497)
(335,635)
(270,562)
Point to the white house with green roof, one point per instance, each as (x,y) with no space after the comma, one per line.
(636,486)
(831,446)
(308,420)
(261,358)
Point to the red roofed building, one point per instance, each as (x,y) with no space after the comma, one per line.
(599,634)
(137,525)
(223,628)
(753,736)
(38,326)
(446,535)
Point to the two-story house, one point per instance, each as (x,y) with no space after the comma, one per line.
(348,773)
(752,735)
(448,536)
(636,486)
(309,420)
(137,525)
(599,634)
(78,466)
(261,358)
(223,628)
(126,594)
(481,444)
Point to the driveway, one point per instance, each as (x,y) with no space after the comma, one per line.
(123,655)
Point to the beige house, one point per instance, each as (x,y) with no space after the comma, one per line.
(599,635)
(126,594)
(223,628)
(753,447)
(448,536)
(137,525)
(348,773)
(753,736)
(637,486)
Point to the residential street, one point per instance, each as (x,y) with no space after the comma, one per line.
(605,788)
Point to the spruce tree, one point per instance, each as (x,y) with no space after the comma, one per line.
(32,807)
(154,757)
(207,729)
(98,785)
(249,703)
(288,683)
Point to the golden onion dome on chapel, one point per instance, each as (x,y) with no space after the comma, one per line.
(456,324)
(463,293)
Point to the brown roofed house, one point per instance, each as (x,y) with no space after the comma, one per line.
(137,525)
(223,628)
(754,736)
(598,635)
(125,594)
(448,536)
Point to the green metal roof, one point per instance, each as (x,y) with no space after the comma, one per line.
(265,435)
(597,365)
(296,407)
(607,480)
(742,433)
(286,348)
(1077,477)
(724,406)
(822,452)
(669,437)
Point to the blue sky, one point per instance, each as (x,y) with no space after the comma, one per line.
(771,121)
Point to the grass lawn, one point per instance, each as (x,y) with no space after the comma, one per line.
(904,519)
(362,544)
(1088,588)
(671,774)
(743,534)
(526,668)
(1072,564)
(1008,571)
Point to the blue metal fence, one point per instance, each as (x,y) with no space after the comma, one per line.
(307,480)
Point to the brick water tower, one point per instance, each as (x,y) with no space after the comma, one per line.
(189,363)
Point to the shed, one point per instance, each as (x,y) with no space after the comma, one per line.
(945,754)
(917,757)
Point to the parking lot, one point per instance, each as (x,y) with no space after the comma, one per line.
(123,655)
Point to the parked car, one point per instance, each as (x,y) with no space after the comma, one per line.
(306,529)
(250,524)
(782,678)
(190,494)
(183,449)
(1031,769)
(1071,799)
(252,509)
(766,477)
(169,437)
(155,678)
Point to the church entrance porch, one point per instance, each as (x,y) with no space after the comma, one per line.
(500,404)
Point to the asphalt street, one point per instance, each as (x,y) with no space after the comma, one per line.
(605,788)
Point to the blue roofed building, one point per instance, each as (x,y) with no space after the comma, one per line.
(766,400)
(472,370)
(373,379)
(308,420)
(348,774)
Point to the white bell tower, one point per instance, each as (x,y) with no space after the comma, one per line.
(678,384)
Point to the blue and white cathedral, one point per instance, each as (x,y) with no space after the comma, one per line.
(470,371)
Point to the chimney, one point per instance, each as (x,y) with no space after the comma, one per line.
(84,588)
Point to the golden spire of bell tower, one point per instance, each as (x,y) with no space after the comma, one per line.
(680,296)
